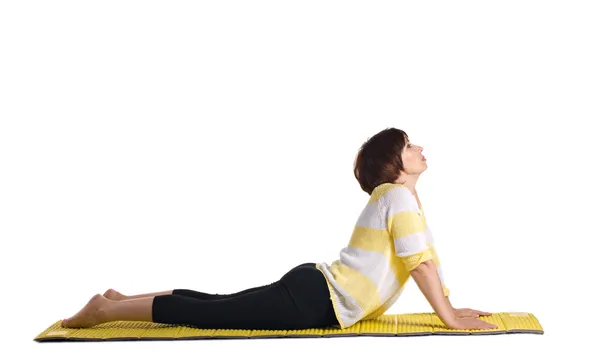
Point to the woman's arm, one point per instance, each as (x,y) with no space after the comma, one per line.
(428,281)
(425,275)
(406,224)
(437,263)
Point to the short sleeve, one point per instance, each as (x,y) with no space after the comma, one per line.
(406,227)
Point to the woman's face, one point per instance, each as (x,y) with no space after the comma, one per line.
(414,162)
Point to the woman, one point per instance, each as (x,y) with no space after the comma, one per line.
(390,244)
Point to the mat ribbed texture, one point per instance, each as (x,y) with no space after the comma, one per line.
(385,325)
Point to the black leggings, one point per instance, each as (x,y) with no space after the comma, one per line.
(299,300)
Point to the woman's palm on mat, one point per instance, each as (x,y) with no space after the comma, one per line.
(471,324)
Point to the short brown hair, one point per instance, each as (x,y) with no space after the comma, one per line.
(379,159)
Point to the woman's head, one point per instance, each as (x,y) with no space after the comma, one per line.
(388,157)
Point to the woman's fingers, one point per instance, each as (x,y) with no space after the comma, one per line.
(484,313)
(471,313)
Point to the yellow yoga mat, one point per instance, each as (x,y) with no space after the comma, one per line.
(385,325)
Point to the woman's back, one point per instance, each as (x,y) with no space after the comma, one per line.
(390,239)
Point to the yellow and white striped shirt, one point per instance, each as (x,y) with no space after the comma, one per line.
(391,237)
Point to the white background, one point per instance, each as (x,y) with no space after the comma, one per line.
(150,145)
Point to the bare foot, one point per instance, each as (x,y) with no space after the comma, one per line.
(90,315)
(113,294)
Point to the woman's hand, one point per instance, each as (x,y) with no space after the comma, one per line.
(469,323)
(470,313)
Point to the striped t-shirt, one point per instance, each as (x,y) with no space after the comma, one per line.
(391,237)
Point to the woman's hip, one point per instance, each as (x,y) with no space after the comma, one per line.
(310,292)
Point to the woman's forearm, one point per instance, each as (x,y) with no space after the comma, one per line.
(428,281)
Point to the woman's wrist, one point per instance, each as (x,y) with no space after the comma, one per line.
(449,303)
(449,318)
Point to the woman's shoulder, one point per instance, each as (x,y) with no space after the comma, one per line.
(391,190)
(394,198)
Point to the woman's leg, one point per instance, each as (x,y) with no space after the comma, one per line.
(206,296)
(300,300)
(115,295)
(269,308)
(100,310)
